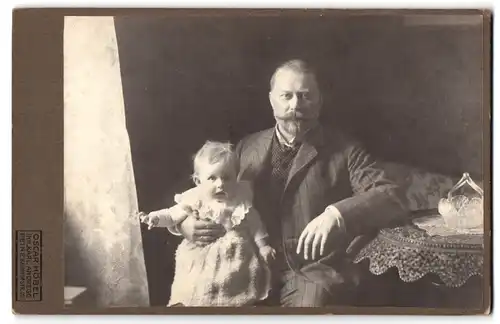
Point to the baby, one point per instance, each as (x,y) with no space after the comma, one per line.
(233,270)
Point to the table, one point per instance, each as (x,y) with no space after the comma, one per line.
(71,295)
(418,252)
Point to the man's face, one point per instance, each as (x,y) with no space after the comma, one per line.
(296,100)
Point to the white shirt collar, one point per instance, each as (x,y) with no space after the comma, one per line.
(284,141)
(282,138)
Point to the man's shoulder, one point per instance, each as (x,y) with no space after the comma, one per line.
(259,134)
(255,137)
(339,139)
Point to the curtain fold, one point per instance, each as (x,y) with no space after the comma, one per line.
(103,246)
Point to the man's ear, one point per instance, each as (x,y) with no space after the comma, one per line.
(271,99)
(196,179)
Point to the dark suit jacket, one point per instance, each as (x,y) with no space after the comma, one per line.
(330,168)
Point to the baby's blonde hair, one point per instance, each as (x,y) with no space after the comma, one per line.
(213,152)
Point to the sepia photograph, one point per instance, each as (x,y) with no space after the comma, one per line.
(277,158)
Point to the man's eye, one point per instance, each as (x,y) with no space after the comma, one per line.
(305,96)
(287,96)
(211,178)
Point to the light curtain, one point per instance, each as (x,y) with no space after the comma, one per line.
(103,247)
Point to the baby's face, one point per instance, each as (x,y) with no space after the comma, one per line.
(218,179)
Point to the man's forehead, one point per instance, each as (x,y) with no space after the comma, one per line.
(285,78)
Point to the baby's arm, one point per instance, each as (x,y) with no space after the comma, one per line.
(167,217)
(257,228)
(260,235)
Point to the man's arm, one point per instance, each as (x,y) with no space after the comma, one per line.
(237,152)
(377,201)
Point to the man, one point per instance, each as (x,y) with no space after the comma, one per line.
(316,189)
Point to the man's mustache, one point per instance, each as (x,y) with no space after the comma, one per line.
(295,116)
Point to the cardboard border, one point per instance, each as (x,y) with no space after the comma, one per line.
(37,153)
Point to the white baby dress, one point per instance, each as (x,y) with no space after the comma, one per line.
(229,271)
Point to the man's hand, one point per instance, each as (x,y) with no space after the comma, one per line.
(316,233)
(200,232)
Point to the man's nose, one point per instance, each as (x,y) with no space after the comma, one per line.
(295,103)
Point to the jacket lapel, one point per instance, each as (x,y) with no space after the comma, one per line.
(258,151)
(307,152)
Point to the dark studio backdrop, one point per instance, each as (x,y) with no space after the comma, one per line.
(410,90)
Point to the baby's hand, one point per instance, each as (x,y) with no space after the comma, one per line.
(267,253)
(148,219)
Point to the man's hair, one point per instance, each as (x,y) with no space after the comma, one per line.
(295,65)
(213,152)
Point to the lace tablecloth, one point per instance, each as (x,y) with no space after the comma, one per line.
(423,247)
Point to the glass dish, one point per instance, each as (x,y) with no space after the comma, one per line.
(462,211)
